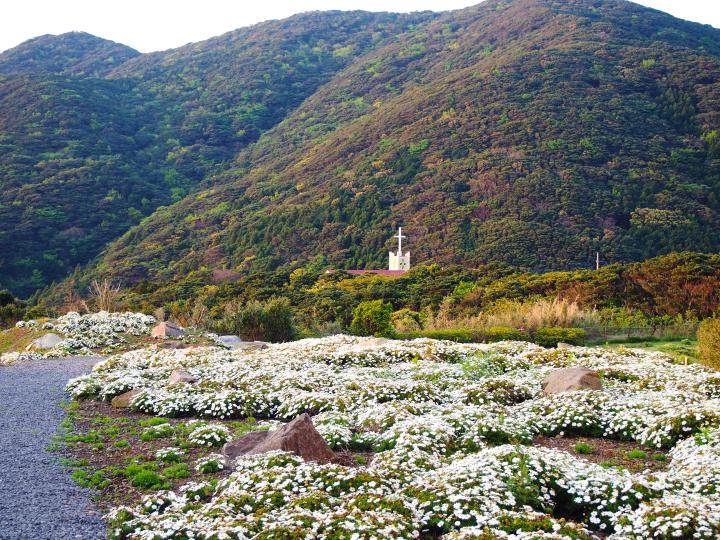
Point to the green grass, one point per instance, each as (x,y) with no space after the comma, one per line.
(636,454)
(583,448)
(678,348)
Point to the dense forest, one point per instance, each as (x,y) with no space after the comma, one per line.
(94,137)
(532,133)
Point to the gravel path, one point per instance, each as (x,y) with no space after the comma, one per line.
(38,499)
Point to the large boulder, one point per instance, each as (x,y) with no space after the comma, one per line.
(48,341)
(167,329)
(243,445)
(569,379)
(123,401)
(179,376)
(298,436)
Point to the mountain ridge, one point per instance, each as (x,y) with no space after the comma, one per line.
(533,132)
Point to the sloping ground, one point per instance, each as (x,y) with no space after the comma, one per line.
(38,499)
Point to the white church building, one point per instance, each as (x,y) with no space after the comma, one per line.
(399,260)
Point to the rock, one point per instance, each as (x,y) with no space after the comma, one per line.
(568,379)
(377,342)
(48,341)
(167,329)
(251,346)
(231,342)
(178,376)
(298,436)
(562,345)
(123,401)
(243,445)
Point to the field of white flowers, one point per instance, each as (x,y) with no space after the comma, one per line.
(449,428)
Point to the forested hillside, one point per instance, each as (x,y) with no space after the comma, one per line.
(94,136)
(532,132)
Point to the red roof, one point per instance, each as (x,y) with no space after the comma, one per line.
(396,273)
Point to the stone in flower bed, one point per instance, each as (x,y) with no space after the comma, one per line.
(569,379)
(124,400)
(298,436)
(449,428)
(48,341)
(167,329)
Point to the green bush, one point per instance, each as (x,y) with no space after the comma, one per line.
(372,318)
(457,335)
(708,336)
(504,333)
(407,320)
(261,321)
(465,335)
(550,336)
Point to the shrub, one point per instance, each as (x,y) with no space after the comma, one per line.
(504,333)
(551,336)
(708,336)
(278,325)
(467,335)
(268,321)
(458,335)
(372,318)
(406,320)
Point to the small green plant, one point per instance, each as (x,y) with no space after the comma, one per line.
(122,443)
(636,454)
(179,470)
(160,431)
(146,479)
(659,457)
(170,454)
(210,464)
(583,448)
(154,421)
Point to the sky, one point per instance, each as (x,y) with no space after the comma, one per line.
(152,25)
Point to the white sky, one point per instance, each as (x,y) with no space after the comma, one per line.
(151,25)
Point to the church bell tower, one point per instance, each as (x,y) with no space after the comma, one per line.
(399,260)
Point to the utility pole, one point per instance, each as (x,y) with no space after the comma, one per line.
(597,260)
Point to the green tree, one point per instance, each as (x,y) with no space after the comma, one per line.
(372,318)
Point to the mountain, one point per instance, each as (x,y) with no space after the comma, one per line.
(75,52)
(531,132)
(94,136)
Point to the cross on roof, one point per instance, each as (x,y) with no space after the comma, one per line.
(400,237)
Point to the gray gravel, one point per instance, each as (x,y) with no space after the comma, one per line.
(38,499)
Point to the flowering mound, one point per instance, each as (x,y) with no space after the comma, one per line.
(94,330)
(448,426)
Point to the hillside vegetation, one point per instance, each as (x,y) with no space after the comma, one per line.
(530,132)
(94,136)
